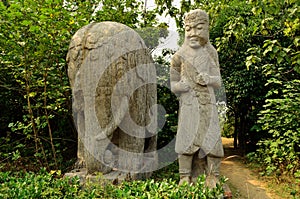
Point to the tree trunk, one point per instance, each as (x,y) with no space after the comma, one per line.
(235,133)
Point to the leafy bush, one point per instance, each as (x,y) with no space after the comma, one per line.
(278,57)
(41,185)
(281,153)
(34,41)
(167,188)
(51,185)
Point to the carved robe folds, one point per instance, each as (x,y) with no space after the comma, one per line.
(198,125)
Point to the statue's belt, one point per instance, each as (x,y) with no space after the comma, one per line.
(201,92)
(203,97)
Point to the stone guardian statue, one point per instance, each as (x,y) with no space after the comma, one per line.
(194,74)
(112,77)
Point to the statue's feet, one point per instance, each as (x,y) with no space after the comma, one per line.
(184,179)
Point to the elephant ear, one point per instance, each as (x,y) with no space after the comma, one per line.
(74,56)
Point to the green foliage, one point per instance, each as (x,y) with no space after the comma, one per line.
(277,57)
(168,172)
(36,125)
(166,188)
(167,99)
(150,35)
(51,185)
(228,128)
(34,40)
(41,185)
(232,34)
(280,153)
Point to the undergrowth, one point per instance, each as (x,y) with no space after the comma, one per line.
(52,185)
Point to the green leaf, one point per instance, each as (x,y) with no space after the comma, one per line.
(26,23)
(34,29)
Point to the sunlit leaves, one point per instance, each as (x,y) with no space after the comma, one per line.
(280,118)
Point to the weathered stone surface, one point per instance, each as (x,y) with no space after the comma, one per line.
(113,82)
(195,74)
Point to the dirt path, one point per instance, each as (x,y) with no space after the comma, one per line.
(244,183)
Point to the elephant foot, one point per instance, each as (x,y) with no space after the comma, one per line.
(79,164)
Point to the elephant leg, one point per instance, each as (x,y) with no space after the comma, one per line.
(185,168)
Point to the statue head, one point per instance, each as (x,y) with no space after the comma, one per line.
(196,28)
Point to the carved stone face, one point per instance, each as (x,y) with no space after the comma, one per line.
(196,34)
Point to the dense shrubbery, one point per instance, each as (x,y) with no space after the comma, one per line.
(47,185)
(35,94)
(280,153)
(41,185)
(279,59)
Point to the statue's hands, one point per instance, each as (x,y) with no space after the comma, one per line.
(180,86)
(202,79)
